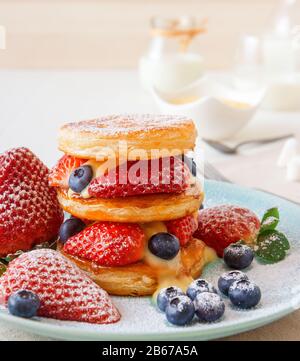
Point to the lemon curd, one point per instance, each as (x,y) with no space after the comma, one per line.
(170,272)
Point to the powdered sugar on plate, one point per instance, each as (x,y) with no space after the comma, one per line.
(279,284)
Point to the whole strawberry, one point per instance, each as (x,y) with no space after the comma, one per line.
(222,225)
(108,244)
(29,211)
(183,228)
(64,291)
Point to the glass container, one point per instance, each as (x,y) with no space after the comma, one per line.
(172,60)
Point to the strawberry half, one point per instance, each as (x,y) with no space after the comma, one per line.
(60,173)
(108,244)
(29,211)
(183,228)
(220,226)
(65,292)
(164,175)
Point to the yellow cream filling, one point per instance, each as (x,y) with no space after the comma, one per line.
(170,273)
(99,168)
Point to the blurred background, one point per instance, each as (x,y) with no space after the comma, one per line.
(231,65)
(114,33)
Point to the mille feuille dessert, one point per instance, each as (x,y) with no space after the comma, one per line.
(134,202)
(135,227)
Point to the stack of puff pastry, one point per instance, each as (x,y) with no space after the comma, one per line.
(159,200)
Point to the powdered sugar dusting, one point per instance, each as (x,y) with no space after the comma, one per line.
(243,285)
(183,228)
(29,210)
(181,302)
(142,177)
(233,275)
(111,125)
(64,290)
(108,243)
(225,224)
(270,220)
(60,173)
(209,301)
(279,284)
(200,286)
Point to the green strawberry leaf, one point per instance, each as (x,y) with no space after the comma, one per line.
(270,220)
(11,256)
(2,268)
(5,260)
(271,246)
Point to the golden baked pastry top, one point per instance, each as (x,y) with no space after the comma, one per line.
(116,126)
(90,138)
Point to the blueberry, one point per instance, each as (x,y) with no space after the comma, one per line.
(209,307)
(23,303)
(201,206)
(69,228)
(164,245)
(80,178)
(199,286)
(244,294)
(165,295)
(191,164)
(227,279)
(180,310)
(238,256)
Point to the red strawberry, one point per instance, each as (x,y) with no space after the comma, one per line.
(183,228)
(65,292)
(108,244)
(29,210)
(164,175)
(59,174)
(222,225)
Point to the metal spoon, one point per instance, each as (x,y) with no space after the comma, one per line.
(233,150)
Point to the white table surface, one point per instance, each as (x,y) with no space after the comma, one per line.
(33,104)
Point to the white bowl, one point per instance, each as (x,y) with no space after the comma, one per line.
(218,111)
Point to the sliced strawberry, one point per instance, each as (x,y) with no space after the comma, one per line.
(164,175)
(65,292)
(222,225)
(60,173)
(183,228)
(108,244)
(29,210)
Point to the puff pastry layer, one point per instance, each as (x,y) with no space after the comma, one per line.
(100,138)
(134,209)
(139,279)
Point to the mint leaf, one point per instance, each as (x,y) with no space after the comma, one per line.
(270,220)
(272,246)
(271,212)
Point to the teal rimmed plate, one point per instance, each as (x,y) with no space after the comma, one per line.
(279,284)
